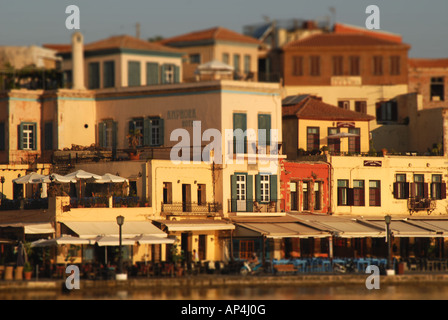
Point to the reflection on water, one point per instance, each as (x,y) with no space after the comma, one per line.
(349,292)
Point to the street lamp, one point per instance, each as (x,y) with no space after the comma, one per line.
(120,221)
(2,180)
(388,219)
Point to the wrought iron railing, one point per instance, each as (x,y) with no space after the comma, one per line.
(256,206)
(421,204)
(24,204)
(190,207)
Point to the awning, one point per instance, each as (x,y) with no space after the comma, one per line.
(153,240)
(401,228)
(281,230)
(198,225)
(91,229)
(438,226)
(65,239)
(103,241)
(30,227)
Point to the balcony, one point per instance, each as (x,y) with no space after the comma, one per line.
(421,204)
(24,204)
(191,208)
(272,206)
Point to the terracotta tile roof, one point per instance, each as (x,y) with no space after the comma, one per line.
(349,29)
(428,63)
(335,39)
(122,42)
(311,108)
(216,33)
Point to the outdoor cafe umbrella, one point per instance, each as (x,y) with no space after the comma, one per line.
(64,239)
(29,178)
(110,178)
(80,175)
(54,177)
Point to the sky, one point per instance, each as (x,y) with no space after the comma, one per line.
(422,23)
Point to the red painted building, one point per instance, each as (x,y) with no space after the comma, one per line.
(304,186)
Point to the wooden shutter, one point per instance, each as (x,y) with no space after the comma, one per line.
(240,122)
(249,193)
(48,136)
(176,74)
(395,190)
(257,188)
(161,132)
(108,74)
(406,190)
(102,134)
(162,74)
(233,193)
(147,132)
(152,73)
(264,123)
(425,190)
(133,73)
(34,125)
(20,128)
(114,134)
(94,75)
(273,187)
(412,190)
(350,196)
(2,136)
(443,190)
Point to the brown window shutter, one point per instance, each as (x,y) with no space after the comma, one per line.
(406,190)
(396,190)
(443,190)
(425,190)
(412,190)
(350,196)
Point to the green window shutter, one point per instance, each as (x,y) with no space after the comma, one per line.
(21,136)
(264,123)
(94,75)
(133,73)
(2,136)
(257,188)
(233,193)
(152,73)
(176,74)
(147,132)
(240,122)
(250,193)
(102,134)
(273,187)
(34,124)
(48,136)
(109,74)
(131,126)
(162,74)
(161,132)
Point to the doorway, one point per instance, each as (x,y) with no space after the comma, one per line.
(186,198)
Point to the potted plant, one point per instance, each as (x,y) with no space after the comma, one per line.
(134,140)
(27,271)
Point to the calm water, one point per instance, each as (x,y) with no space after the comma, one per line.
(350,292)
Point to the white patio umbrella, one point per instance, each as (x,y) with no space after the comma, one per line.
(29,178)
(214,66)
(110,178)
(112,241)
(54,177)
(80,175)
(64,239)
(342,135)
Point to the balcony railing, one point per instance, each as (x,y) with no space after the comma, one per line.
(24,204)
(179,208)
(421,204)
(255,206)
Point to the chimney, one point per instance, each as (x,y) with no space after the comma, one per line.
(78,61)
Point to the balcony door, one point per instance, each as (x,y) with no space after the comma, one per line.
(241,193)
(186,198)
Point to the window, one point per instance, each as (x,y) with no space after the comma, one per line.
(315,65)
(154,132)
(246,63)
(225,58)
(264,188)
(312,139)
(135,126)
(354,143)
(401,187)
(344,104)
(334,144)
(236,63)
(133,73)
(374,193)
(419,188)
(94,75)
(264,129)
(152,73)
(297,66)
(293,190)
(195,58)
(167,192)
(438,187)
(317,196)
(305,196)
(395,65)
(48,136)
(107,134)
(387,111)
(343,193)
(361,107)
(202,198)
(27,136)
(247,248)
(354,66)
(108,74)
(338,66)
(437,89)
(202,246)
(358,193)
(170,73)
(377,65)
(239,133)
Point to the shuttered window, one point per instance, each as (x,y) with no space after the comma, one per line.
(28,136)
(297,66)
(109,74)
(264,129)
(315,65)
(94,75)
(374,193)
(133,73)
(107,134)
(153,132)
(239,133)
(338,66)
(355,65)
(152,73)
(48,136)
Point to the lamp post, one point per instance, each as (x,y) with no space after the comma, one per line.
(120,221)
(2,180)
(388,219)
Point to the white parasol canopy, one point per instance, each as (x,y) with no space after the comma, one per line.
(81,174)
(342,135)
(29,178)
(64,239)
(149,239)
(56,178)
(214,66)
(112,241)
(110,178)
